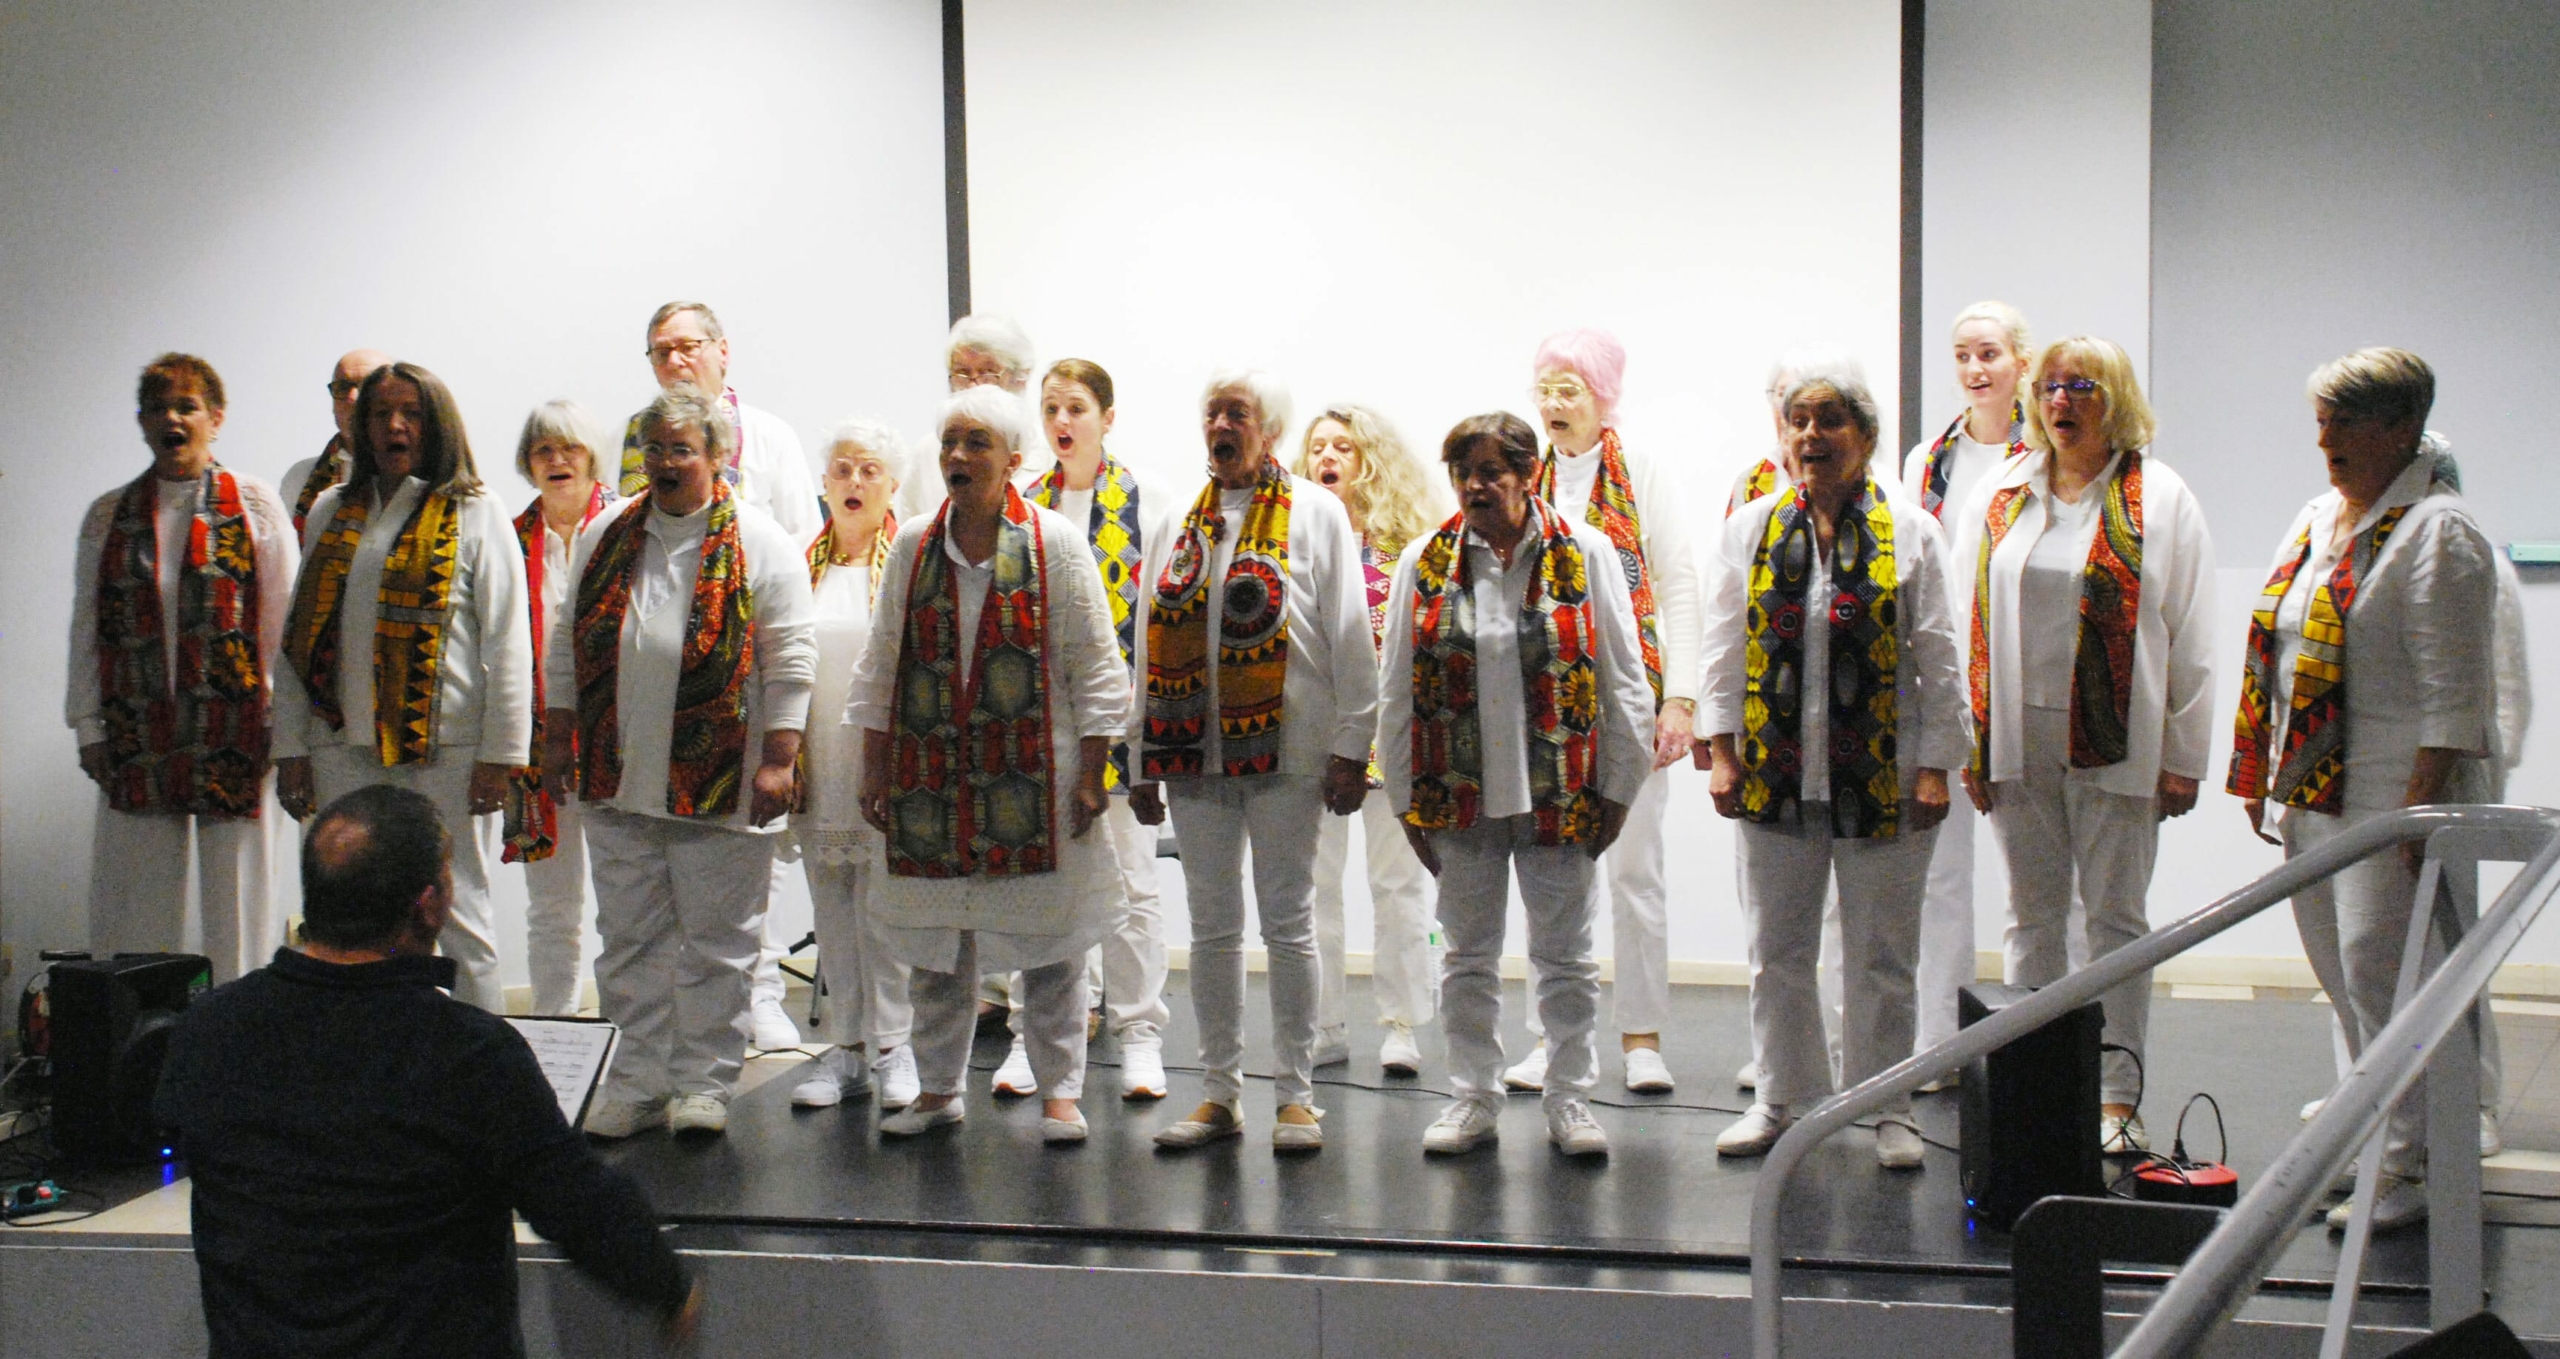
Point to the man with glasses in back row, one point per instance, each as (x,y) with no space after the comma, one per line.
(304,481)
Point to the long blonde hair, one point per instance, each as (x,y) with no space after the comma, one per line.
(1390,498)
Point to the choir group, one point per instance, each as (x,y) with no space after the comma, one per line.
(685,670)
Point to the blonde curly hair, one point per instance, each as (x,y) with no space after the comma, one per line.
(1390,498)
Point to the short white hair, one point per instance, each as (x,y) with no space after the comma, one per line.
(1270,395)
(1783,371)
(566,422)
(999,410)
(1845,378)
(873,437)
(997,337)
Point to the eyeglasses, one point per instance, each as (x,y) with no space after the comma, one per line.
(2071,387)
(665,350)
(654,449)
(339,387)
(1562,389)
(963,378)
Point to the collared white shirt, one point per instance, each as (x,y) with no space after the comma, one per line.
(773,472)
(484,698)
(1625,730)
(1664,524)
(650,659)
(270,538)
(1970,464)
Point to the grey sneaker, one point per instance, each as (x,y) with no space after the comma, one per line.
(1573,1130)
(1462,1127)
(702,1115)
(837,1073)
(615,1119)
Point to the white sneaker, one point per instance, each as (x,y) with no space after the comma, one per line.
(1142,1072)
(838,1072)
(1462,1127)
(1528,1076)
(1398,1053)
(911,1120)
(620,1118)
(2492,1141)
(1573,1130)
(2397,1203)
(1014,1077)
(2122,1136)
(1898,1146)
(896,1069)
(1748,1078)
(1333,1045)
(1646,1072)
(703,1115)
(1059,1132)
(774,1029)
(1755,1132)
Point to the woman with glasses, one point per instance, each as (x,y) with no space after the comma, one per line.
(1353,452)
(2091,680)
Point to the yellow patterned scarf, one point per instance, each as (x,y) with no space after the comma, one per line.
(409,620)
(1251,620)
(1855,602)
(1118,539)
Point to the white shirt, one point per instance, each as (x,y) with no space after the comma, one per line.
(773,473)
(2169,717)
(830,825)
(484,697)
(270,538)
(1625,730)
(1664,527)
(2049,590)
(1329,693)
(650,659)
(1969,464)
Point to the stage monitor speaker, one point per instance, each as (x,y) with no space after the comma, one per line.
(110,1022)
(2030,1120)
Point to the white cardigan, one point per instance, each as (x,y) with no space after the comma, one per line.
(2170,722)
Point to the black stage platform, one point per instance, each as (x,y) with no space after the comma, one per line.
(1659,1211)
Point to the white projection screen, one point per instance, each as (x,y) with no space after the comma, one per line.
(1392,204)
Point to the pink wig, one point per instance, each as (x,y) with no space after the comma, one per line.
(1593,355)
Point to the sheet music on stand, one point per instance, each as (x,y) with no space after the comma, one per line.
(574,1055)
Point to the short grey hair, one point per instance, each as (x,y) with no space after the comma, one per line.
(872,437)
(682,405)
(566,422)
(710,323)
(1841,377)
(1270,395)
(1785,367)
(2391,384)
(999,410)
(997,337)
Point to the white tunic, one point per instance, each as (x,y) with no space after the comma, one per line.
(1664,526)
(830,827)
(773,473)
(1970,464)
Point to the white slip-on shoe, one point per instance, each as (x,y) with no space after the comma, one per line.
(1528,1076)
(1755,1132)
(700,1115)
(1208,1123)
(1398,1054)
(1647,1073)
(1058,1132)
(2122,1136)
(1898,1145)
(2397,1203)
(838,1073)
(1333,1045)
(774,1029)
(1462,1127)
(1142,1072)
(1573,1130)
(615,1119)
(2312,1110)
(1014,1077)
(2492,1139)
(896,1069)
(1293,1136)
(1748,1078)
(914,1119)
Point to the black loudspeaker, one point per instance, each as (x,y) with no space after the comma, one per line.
(2030,1123)
(110,1029)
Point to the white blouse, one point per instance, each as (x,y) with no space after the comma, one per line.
(829,826)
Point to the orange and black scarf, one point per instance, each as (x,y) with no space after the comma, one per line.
(531,820)
(1938,464)
(325,473)
(1613,512)
(707,759)
(1855,602)
(194,741)
(410,612)
(2110,613)
(972,768)
(1251,620)
(1559,685)
(821,553)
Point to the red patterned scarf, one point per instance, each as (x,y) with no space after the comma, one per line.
(194,742)
(410,613)
(1252,629)
(2110,613)
(328,471)
(1760,480)
(531,820)
(1613,512)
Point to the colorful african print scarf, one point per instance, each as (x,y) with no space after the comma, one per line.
(1863,577)
(635,477)
(821,553)
(195,741)
(531,820)
(707,760)
(409,619)
(1559,683)
(1938,464)
(325,473)
(2312,772)
(1252,650)
(1613,512)
(2110,610)
(1761,480)
(1113,531)
(972,777)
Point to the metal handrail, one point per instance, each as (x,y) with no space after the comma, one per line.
(2355,843)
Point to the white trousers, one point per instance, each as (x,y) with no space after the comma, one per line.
(1132,955)
(680,908)
(1947,962)
(1216,819)
(1054,1001)
(1557,886)
(469,937)
(140,866)
(2064,836)
(1400,906)
(555,913)
(1640,940)
(1786,870)
(770,951)
(862,990)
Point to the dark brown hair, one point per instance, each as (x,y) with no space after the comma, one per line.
(445,453)
(1509,434)
(170,369)
(1085,372)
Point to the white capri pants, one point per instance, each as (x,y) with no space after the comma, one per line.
(141,863)
(1054,1000)
(1556,886)
(1947,962)
(680,908)
(1400,905)
(555,913)
(469,938)
(1216,818)
(862,990)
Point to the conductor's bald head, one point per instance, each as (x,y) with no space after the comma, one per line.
(373,872)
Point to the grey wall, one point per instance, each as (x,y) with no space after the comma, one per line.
(2344,174)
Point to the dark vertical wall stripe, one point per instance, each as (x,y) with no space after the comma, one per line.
(1915,25)
(955,160)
